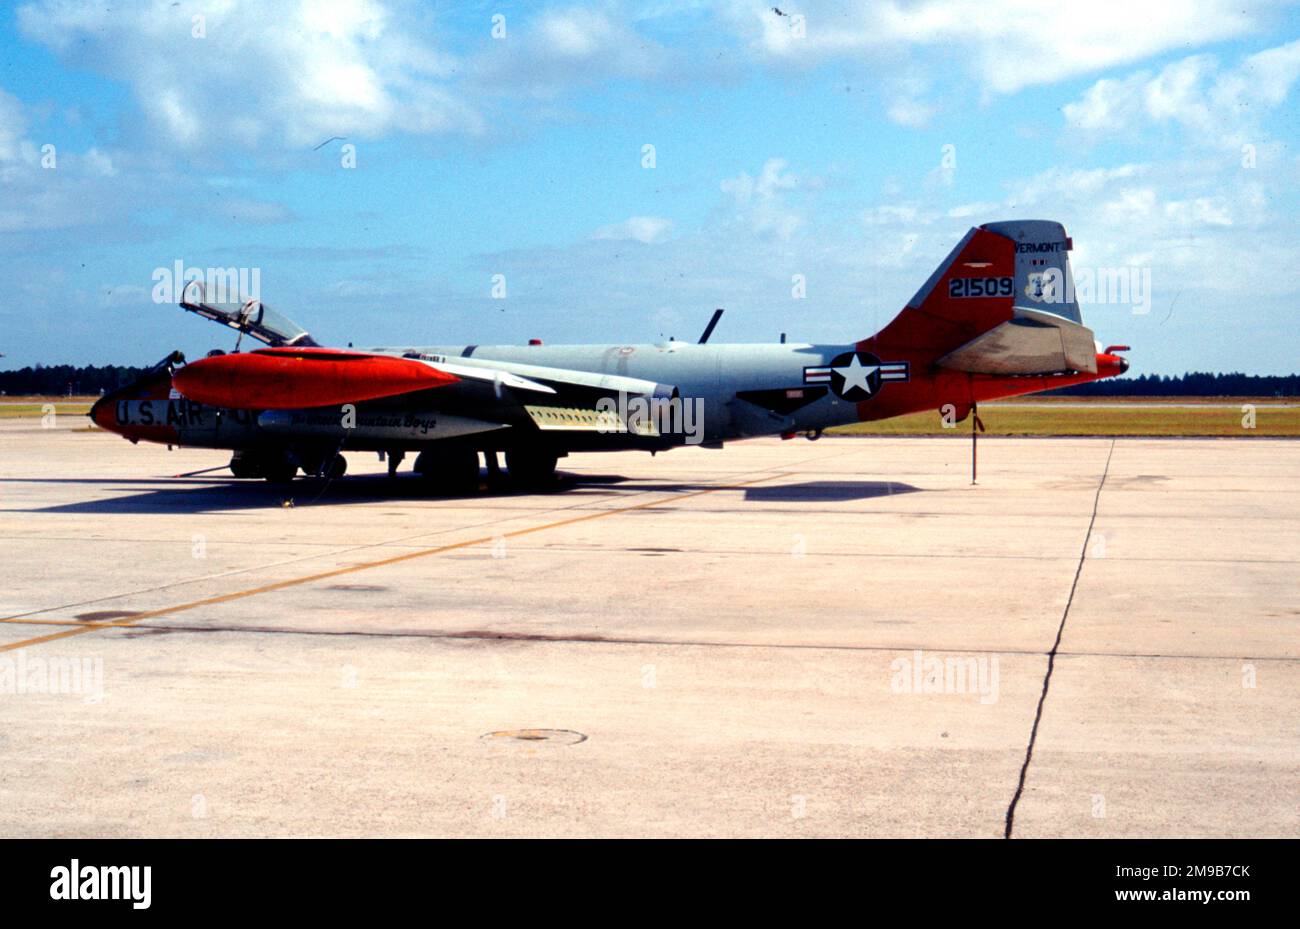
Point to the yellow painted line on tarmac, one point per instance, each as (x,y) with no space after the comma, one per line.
(83,628)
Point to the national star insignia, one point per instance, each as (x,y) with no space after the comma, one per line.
(856,374)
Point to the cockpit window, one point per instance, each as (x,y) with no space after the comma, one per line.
(250,316)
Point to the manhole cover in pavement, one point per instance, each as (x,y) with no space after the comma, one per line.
(559,736)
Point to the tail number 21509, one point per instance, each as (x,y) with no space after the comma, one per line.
(980,287)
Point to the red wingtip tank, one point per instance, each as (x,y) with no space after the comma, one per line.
(289,378)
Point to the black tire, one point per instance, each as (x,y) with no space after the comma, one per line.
(337,467)
(449,471)
(531,467)
(245,467)
(280,470)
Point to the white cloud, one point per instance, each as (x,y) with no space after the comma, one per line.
(647,229)
(247,211)
(99,162)
(98,192)
(55,188)
(1222,106)
(980,211)
(561,49)
(1008,44)
(295,74)
(125,296)
(911,113)
(760,201)
(1186,220)
(12,126)
(575,33)
(1074,184)
(944,173)
(896,213)
(765,187)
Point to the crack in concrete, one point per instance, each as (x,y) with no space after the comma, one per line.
(1051,656)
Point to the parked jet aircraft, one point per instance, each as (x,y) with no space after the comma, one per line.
(996,319)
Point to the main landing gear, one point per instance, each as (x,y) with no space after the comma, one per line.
(276,467)
(531,467)
(244,465)
(452,470)
(282,467)
(456,470)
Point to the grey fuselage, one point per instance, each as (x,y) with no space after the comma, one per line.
(731,392)
(716,375)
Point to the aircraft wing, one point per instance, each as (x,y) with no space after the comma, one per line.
(496,394)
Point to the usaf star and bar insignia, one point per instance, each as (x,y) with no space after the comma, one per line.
(855,376)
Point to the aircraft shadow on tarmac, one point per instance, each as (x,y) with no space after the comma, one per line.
(214,494)
(189,494)
(828,491)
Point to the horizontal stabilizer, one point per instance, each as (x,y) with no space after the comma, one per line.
(1031,342)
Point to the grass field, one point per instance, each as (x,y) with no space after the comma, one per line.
(1109,416)
(1174,416)
(36,407)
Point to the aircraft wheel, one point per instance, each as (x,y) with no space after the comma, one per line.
(243,466)
(452,471)
(337,467)
(280,470)
(531,467)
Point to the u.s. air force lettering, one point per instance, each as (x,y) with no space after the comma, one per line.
(856,376)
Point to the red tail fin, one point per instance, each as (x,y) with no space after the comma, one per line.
(1001,303)
(954,305)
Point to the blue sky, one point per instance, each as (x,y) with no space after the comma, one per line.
(852,144)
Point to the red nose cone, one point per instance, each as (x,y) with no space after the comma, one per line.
(286,379)
(103,415)
(139,410)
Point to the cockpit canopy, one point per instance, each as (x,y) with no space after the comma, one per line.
(250,316)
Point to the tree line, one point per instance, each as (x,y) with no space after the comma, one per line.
(1192,384)
(60,380)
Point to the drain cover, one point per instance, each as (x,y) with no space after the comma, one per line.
(559,736)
